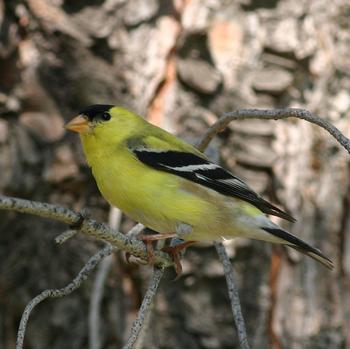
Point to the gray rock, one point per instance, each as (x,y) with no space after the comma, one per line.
(138,11)
(272,80)
(199,75)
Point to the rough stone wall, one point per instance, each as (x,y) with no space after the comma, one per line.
(181,64)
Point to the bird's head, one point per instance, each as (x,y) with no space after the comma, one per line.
(103,120)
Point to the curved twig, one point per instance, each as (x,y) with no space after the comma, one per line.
(145,307)
(219,125)
(103,270)
(273,114)
(233,295)
(54,293)
(95,302)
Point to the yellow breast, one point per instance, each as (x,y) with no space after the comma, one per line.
(151,197)
(157,199)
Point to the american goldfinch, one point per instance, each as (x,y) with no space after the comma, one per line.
(169,186)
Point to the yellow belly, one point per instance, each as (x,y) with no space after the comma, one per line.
(159,200)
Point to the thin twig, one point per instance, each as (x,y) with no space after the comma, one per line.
(273,114)
(54,293)
(89,226)
(95,302)
(66,235)
(225,260)
(135,231)
(233,295)
(114,218)
(103,270)
(218,126)
(145,307)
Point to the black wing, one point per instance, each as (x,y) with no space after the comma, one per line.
(208,174)
(300,246)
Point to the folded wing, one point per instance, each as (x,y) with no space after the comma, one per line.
(201,171)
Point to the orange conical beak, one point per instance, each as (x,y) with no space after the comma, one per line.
(79,124)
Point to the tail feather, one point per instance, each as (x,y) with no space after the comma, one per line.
(300,246)
(268,208)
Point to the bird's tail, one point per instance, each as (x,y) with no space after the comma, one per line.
(300,245)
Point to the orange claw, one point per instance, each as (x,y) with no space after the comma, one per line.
(148,239)
(174,252)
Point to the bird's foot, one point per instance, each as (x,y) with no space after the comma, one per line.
(175,253)
(148,239)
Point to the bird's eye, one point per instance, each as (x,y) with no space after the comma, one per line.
(106,116)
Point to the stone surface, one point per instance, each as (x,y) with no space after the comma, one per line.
(199,75)
(273,81)
(47,127)
(139,11)
(225,45)
(62,167)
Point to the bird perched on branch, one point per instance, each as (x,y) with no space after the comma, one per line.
(169,186)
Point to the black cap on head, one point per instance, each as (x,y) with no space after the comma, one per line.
(94,110)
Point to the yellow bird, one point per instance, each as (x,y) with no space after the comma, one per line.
(172,188)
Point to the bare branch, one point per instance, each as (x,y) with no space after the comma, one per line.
(54,293)
(66,235)
(233,295)
(221,124)
(89,226)
(145,307)
(273,114)
(134,231)
(95,302)
(115,216)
